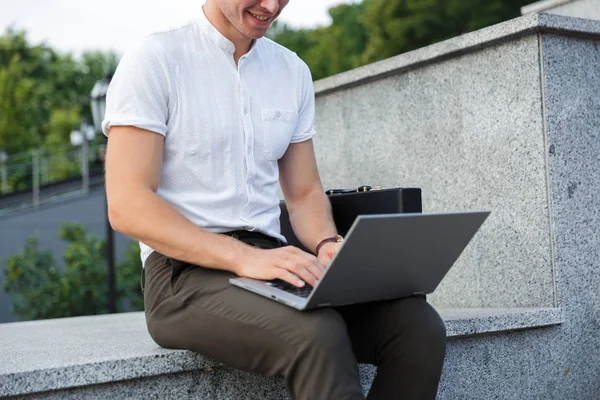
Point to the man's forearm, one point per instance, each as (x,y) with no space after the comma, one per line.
(151,220)
(311,219)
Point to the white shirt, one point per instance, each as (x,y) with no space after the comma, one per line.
(225,127)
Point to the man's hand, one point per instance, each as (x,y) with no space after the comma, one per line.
(286,263)
(327,251)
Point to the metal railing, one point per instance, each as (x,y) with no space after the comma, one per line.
(44,175)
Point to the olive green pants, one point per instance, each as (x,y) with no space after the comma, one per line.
(195,308)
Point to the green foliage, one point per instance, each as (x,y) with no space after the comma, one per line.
(18,116)
(39,290)
(373,30)
(60,123)
(62,162)
(44,94)
(33,271)
(128,282)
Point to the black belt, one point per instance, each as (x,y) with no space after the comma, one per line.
(248,235)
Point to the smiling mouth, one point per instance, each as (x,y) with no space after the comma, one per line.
(261,18)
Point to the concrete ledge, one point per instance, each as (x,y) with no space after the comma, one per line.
(40,356)
(462,322)
(472,41)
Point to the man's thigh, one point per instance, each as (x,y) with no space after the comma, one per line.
(195,308)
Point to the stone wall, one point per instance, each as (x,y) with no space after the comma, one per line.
(506,119)
(589,9)
(468,130)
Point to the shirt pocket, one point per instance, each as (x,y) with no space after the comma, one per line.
(278,129)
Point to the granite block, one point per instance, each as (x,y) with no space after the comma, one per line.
(477,321)
(53,354)
(572,84)
(501,366)
(92,351)
(469,132)
(561,362)
(217,384)
(588,9)
(543,6)
(526,365)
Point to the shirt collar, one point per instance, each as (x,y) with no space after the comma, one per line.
(213,33)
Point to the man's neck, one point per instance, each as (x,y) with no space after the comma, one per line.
(217,19)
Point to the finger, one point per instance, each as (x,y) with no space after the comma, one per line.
(330,255)
(312,263)
(290,278)
(309,269)
(302,272)
(316,269)
(313,266)
(325,260)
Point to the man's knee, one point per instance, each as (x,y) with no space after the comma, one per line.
(423,329)
(165,324)
(427,320)
(159,331)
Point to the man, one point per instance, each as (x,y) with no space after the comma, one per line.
(203,123)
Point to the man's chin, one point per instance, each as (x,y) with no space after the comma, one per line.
(255,35)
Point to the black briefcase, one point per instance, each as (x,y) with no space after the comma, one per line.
(347,204)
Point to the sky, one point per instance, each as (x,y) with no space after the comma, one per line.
(78,25)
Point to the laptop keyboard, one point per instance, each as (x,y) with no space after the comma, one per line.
(287,287)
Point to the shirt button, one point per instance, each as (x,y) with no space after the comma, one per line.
(278,115)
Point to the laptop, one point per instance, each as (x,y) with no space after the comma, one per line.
(383,257)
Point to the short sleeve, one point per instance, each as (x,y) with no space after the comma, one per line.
(138,94)
(305,129)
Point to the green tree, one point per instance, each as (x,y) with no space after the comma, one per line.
(19,116)
(398,26)
(44,94)
(39,290)
(327,50)
(33,269)
(373,30)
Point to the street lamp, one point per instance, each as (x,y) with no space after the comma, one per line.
(98,106)
(85,133)
(98,100)
(80,138)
